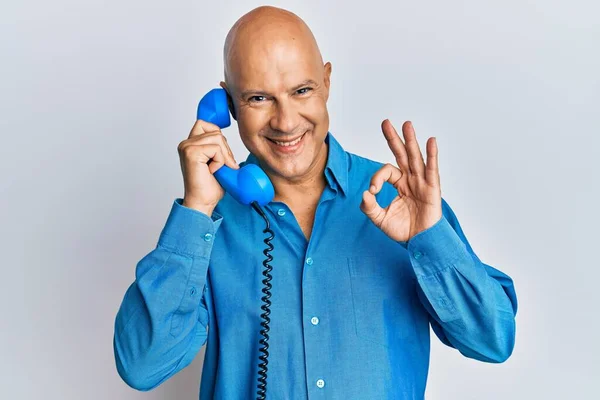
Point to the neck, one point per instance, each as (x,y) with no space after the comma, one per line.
(307,188)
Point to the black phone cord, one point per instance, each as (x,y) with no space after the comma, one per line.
(262,366)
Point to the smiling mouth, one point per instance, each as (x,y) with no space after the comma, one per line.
(287,143)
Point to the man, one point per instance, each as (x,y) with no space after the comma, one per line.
(355,286)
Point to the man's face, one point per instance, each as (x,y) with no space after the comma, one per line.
(279,94)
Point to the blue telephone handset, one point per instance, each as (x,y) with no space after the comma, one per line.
(249,183)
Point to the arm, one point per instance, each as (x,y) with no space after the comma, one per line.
(161,324)
(472,306)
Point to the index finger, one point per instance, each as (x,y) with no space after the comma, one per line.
(395,144)
(201,126)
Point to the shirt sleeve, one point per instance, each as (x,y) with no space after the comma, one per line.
(162,321)
(472,306)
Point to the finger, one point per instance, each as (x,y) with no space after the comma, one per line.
(232,162)
(201,127)
(371,208)
(218,159)
(387,173)
(211,154)
(395,144)
(229,158)
(214,138)
(432,174)
(415,158)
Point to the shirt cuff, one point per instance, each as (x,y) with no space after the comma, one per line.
(189,231)
(435,249)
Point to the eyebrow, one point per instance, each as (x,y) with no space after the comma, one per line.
(256,92)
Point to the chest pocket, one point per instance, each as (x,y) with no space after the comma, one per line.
(383,300)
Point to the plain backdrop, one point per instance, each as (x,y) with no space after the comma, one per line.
(96,96)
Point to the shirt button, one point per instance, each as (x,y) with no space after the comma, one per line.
(417,254)
(320,383)
(281,212)
(314,320)
(309,261)
(207,237)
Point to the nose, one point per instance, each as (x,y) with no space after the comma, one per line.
(285,117)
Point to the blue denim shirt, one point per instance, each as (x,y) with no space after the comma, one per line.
(351,308)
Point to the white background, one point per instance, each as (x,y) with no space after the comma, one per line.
(96,96)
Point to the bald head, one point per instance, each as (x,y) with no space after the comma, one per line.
(264,30)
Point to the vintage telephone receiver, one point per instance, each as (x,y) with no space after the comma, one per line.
(248,185)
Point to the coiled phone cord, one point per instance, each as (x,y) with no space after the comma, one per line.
(262,366)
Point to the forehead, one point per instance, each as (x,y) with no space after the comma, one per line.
(274,64)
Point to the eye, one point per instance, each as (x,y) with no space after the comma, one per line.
(303,90)
(256,99)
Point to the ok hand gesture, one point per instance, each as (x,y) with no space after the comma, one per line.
(418,205)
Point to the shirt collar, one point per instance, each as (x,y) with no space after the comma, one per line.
(336,169)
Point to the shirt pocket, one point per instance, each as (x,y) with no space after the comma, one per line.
(383,300)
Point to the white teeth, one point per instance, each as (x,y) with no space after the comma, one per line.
(287,144)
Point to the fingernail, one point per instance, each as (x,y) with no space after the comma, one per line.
(372,188)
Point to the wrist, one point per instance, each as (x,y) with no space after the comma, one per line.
(203,208)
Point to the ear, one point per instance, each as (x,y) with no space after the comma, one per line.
(327,79)
(229,100)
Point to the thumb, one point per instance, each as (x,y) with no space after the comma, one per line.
(371,208)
